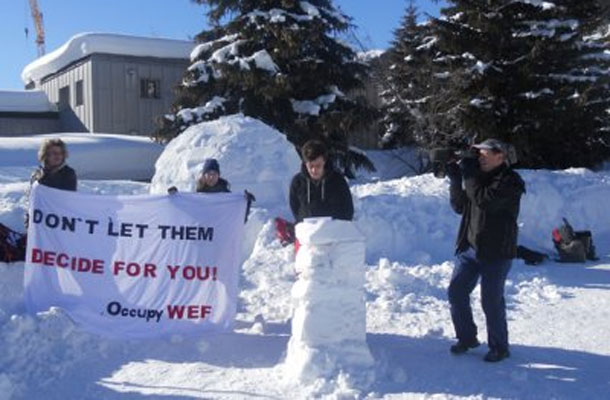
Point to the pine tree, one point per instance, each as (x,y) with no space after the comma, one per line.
(529,75)
(417,95)
(281,62)
(396,122)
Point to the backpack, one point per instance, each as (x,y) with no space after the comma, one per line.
(573,246)
(284,231)
(12,245)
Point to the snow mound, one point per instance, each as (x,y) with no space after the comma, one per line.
(406,219)
(25,101)
(93,156)
(252,156)
(85,44)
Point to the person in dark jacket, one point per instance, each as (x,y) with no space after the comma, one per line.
(487,193)
(53,171)
(210,180)
(318,190)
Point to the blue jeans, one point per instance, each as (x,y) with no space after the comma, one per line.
(493,276)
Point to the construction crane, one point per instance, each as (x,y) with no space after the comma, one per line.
(37,16)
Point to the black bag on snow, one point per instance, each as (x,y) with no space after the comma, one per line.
(529,256)
(573,246)
(12,245)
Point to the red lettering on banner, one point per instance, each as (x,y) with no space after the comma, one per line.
(150,270)
(36,256)
(63,260)
(173,270)
(192,311)
(191,272)
(48,258)
(134,269)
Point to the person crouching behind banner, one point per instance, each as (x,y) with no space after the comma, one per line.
(319,190)
(210,181)
(53,171)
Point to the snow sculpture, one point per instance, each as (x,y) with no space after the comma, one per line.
(329,318)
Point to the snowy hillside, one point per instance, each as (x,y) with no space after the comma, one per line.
(559,314)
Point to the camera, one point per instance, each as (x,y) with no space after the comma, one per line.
(442,156)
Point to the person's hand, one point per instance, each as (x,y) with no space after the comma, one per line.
(249,196)
(470,167)
(453,172)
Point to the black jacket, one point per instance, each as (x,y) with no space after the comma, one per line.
(64,178)
(489,204)
(329,197)
(222,186)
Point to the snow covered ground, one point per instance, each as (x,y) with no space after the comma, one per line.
(559,314)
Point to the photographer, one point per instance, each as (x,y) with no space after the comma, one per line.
(486,191)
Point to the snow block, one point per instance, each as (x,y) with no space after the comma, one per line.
(251,154)
(329,318)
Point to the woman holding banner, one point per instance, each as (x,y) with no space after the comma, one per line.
(53,171)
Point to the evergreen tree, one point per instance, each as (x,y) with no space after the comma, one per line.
(416,94)
(529,75)
(396,122)
(278,61)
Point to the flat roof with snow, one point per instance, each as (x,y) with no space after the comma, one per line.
(25,101)
(85,44)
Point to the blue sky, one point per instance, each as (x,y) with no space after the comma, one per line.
(177,19)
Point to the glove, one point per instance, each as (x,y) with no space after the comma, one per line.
(250,198)
(470,167)
(453,171)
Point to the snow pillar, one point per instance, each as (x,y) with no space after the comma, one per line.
(329,317)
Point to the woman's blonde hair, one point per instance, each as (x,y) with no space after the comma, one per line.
(47,144)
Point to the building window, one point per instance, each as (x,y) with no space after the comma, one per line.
(79,93)
(150,89)
(64,97)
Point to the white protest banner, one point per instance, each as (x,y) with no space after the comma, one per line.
(135,266)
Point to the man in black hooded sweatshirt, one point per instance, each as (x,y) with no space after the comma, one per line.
(318,190)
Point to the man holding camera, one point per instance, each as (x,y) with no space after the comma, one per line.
(486,191)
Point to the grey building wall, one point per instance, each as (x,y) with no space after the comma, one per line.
(118,103)
(111,93)
(73,117)
(20,124)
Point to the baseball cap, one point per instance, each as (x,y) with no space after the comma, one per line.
(492,144)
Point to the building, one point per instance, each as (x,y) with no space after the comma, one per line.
(110,83)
